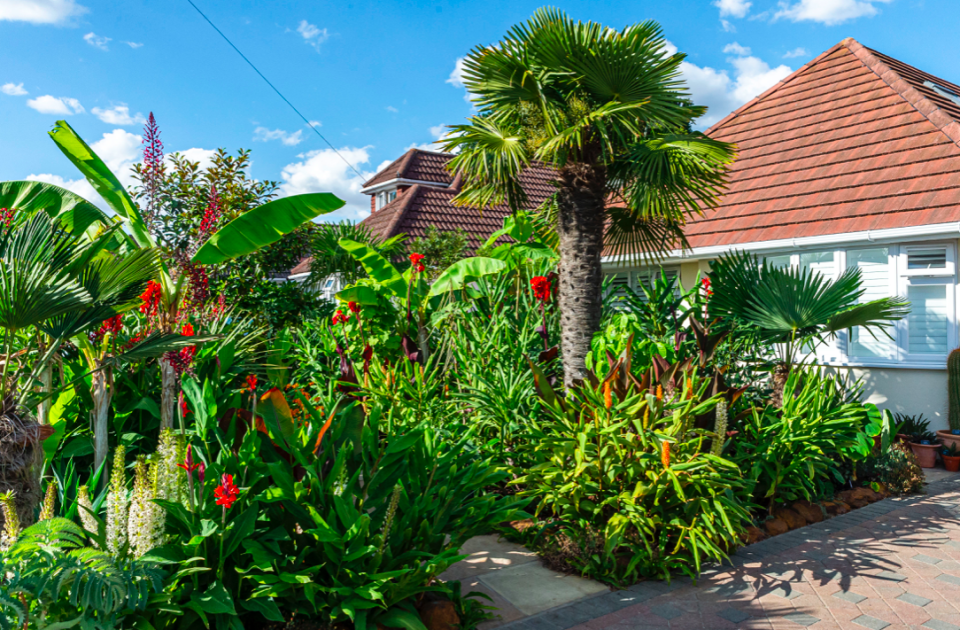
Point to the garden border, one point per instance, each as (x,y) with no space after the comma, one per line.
(596,606)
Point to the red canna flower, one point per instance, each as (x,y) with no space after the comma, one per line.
(541,288)
(705,283)
(188,464)
(354,307)
(226,493)
(339,318)
(151,298)
(184,410)
(252,382)
(187,330)
(416,262)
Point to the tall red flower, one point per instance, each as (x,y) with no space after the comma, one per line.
(541,288)
(152,169)
(151,298)
(354,307)
(188,464)
(226,493)
(6,215)
(184,410)
(705,283)
(252,382)
(113,325)
(416,262)
(211,215)
(187,330)
(339,318)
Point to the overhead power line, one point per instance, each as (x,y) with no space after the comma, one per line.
(279,93)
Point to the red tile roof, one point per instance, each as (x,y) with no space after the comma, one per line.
(421,206)
(852,141)
(415,164)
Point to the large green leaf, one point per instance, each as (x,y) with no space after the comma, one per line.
(377,267)
(74,212)
(264,225)
(361,294)
(102,179)
(463,271)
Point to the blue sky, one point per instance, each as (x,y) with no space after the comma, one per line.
(377,77)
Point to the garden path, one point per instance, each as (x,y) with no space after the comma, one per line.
(894,564)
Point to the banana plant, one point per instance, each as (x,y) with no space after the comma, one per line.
(410,288)
(253,230)
(528,246)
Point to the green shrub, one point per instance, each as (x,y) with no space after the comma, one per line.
(630,483)
(896,468)
(796,452)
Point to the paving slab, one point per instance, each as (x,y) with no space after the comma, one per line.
(532,588)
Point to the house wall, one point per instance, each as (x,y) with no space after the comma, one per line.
(911,392)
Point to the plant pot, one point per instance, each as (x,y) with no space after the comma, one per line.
(947,438)
(951,463)
(926,454)
(903,438)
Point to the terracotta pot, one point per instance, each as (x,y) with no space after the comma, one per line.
(903,438)
(951,463)
(946,438)
(926,454)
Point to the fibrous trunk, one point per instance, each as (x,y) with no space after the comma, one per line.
(168,394)
(580,201)
(102,393)
(46,386)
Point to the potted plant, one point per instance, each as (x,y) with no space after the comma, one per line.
(924,445)
(949,437)
(909,426)
(951,457)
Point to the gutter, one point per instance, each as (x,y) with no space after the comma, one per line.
(400,181)
(890,236)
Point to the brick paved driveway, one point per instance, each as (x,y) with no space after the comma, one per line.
(894,564)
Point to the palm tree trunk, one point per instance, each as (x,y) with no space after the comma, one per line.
(168,394)
(46,386)
(580,201)
(102,394)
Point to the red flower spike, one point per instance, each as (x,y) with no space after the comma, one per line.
(187,330)
(184,410)
(226,493)
(354,307)
(188,464)
(541,288)
(151,298)
(705,283)
(252,382)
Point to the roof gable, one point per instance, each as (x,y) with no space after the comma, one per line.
(844,144)
(416,165)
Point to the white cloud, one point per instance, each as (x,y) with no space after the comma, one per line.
(13,89)
(118,115)
(97,41)
(796,52)
(827,12)
(723,94)
(119,149)
(40,11)
(456,75)
(134,45)
(59,106)
(728,27)
(392,109)
(313,35)
(315,123)
(262,134)
(324,171)
(733,8)
(204,157)
(439,131)
(737,49)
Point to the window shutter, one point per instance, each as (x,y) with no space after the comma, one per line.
(876,273)
(928,319)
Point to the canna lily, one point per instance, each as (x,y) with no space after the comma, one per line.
(226,493)
(252,382)
(541,288)
(187,463)
(415,261)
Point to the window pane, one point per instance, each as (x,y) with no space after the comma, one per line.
(777,261)
(875,272)
(818,262)
(933,258)
(927,322)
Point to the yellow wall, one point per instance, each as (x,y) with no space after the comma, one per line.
(689,271)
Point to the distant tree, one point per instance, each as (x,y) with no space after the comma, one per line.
(440,248)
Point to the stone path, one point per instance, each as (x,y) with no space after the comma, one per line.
(894,564)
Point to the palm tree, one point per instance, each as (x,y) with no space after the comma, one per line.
(794,308)
(608,110)
(330,259)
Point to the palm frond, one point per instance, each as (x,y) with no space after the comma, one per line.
(878,314)
(491,158)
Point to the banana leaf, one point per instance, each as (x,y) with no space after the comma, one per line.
(457,275)
(102,180)
(264,225)
(75,213)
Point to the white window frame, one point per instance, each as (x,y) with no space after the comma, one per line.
(901,278)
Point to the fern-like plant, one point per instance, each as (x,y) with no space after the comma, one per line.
(55,580)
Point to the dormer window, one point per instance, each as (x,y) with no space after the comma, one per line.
(385,197)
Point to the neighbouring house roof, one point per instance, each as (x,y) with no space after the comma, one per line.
(851,142)
(303,267)
(420,206)
(414,165)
